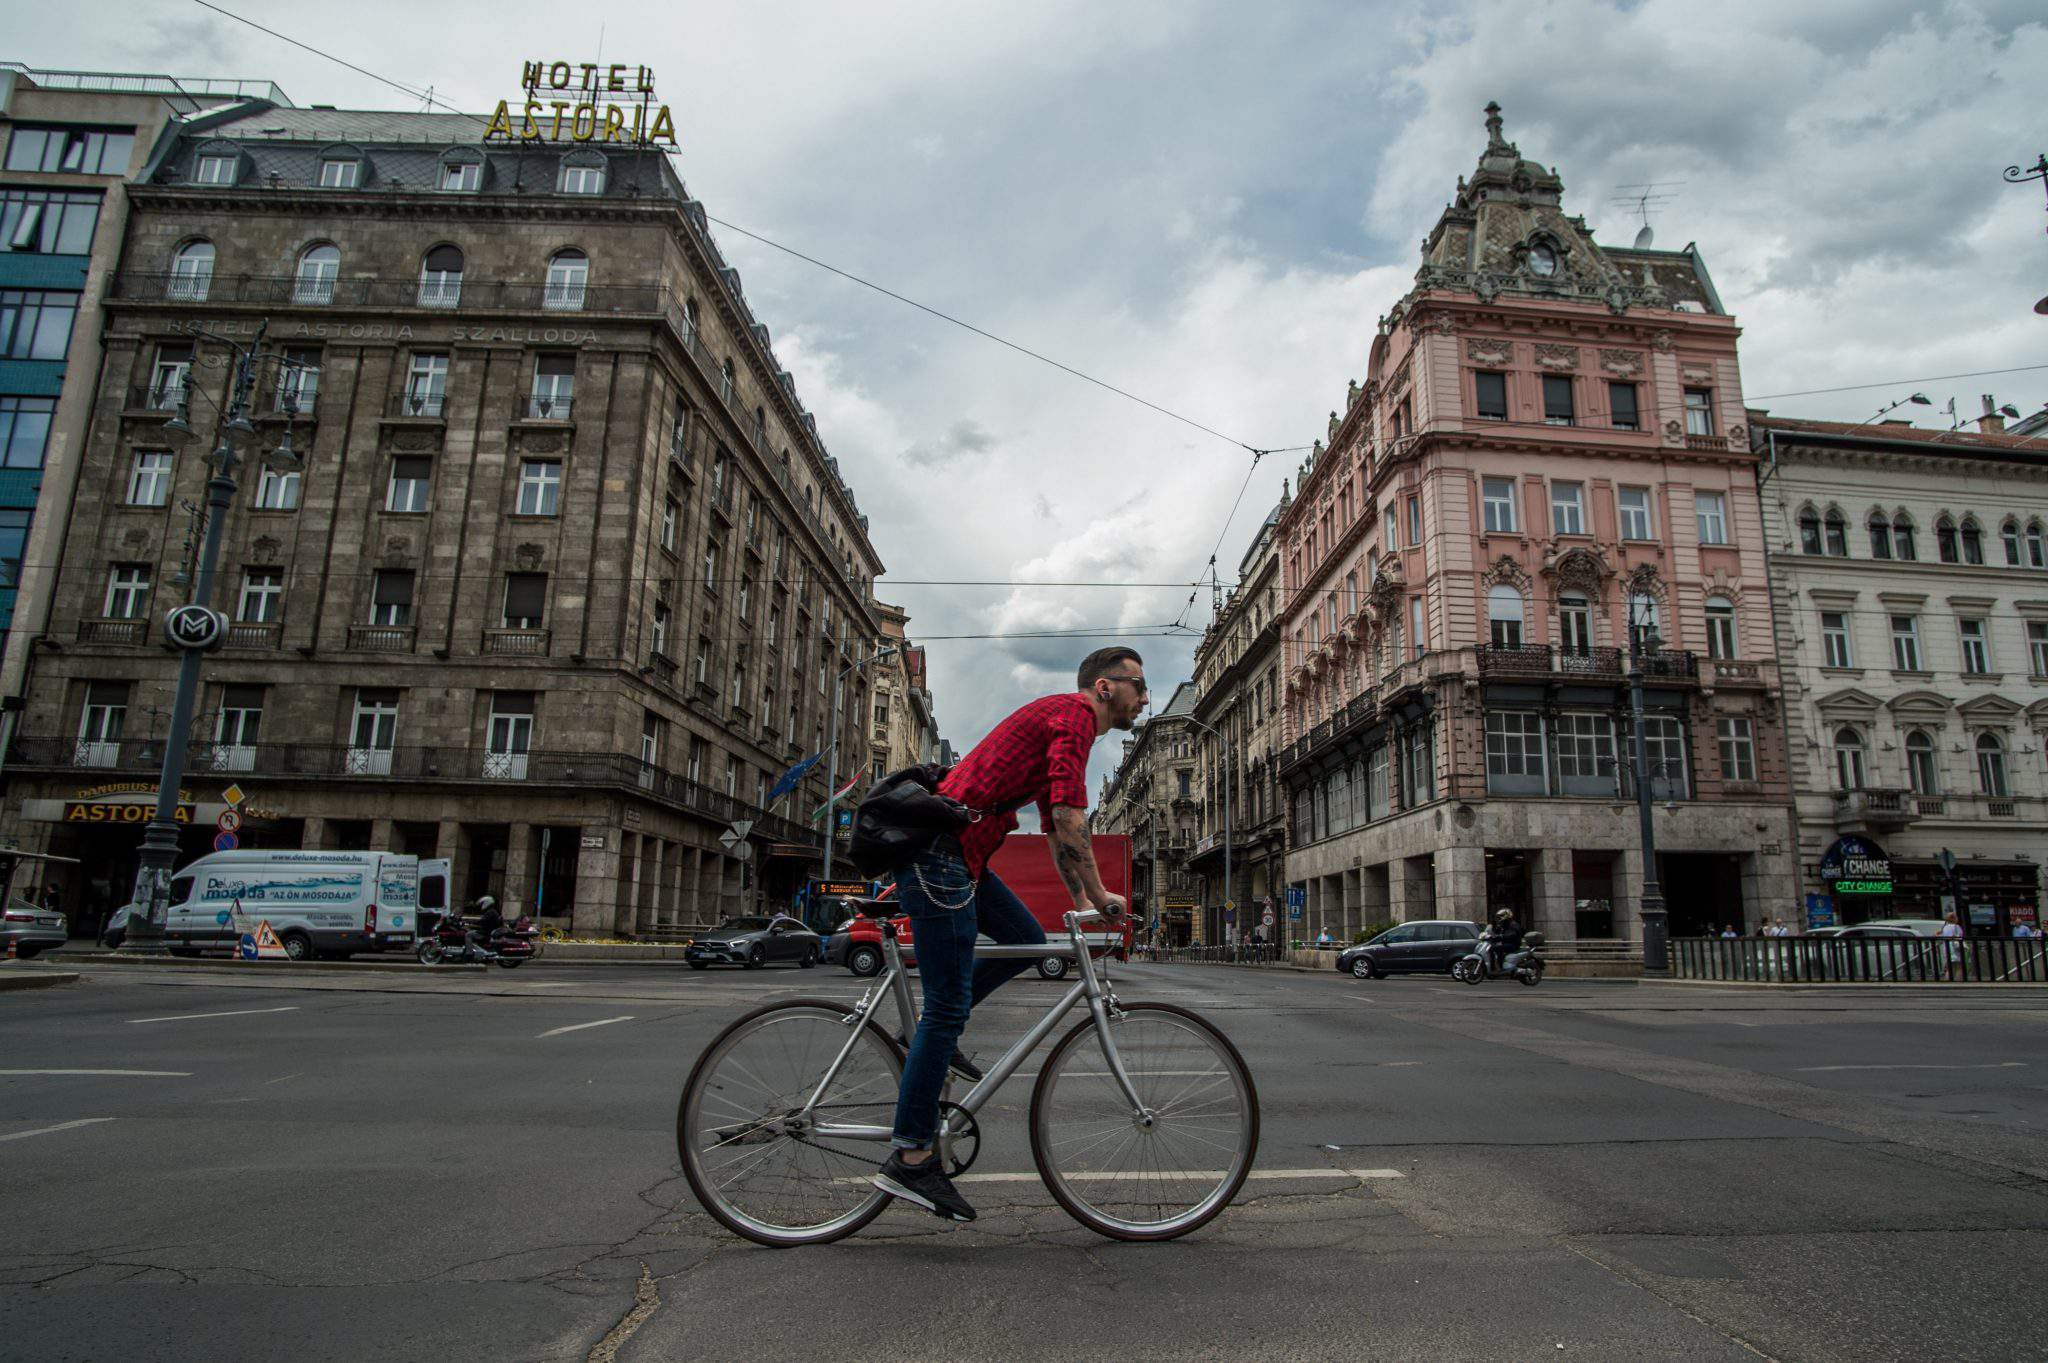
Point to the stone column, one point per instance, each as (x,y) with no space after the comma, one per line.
(1461,880)
(1376,892)
(1354,899)
(597,882)
(1552,895)
(519,878)
(695,903)
(1628,894)
(314,838)
(382,835)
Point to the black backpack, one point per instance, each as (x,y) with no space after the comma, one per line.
(901,817)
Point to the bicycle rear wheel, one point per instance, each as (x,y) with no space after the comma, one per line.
(759,1168)
(1132,1179)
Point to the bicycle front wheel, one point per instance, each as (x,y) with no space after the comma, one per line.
(757,1162)
(1160,1172)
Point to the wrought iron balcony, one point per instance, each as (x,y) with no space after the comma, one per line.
(1875,807)
(393,292)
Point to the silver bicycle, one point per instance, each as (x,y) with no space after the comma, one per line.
(1143,1120)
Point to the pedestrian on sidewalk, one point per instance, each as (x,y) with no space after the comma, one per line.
(1952,935)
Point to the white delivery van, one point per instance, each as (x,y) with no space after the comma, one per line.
(316,902)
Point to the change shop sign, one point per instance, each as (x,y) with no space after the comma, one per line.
(1856,866)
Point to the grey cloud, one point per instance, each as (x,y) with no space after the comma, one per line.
(962,438)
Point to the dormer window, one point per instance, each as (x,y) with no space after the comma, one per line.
(583,173)
(462,177)
(1542,260)
(341,173)
(214,170)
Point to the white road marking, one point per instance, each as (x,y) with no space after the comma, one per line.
(237,1013)
(136,1074)
(601,1022)
(1148,1074)
(1827,1069)
(46,1130)
(555,984)
(1269,1175)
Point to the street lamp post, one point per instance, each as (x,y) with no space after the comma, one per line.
(195,627)
(1642,639)
(832,750)
(1225,747)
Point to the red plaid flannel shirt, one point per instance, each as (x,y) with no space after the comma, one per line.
(1040,753)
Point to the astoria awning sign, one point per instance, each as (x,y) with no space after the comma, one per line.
(584,102)
(1855,865)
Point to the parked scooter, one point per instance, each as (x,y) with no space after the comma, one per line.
(445,941)
(1525,964)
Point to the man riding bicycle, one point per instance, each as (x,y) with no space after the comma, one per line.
(1039,754)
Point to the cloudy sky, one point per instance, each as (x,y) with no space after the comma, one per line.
(1209,204)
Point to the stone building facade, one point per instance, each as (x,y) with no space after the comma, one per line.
(1153,799)
(1550,444)
(1911,571)
(564,577)
(1237,696)
(904,729)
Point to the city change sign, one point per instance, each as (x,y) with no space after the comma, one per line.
(1856,866)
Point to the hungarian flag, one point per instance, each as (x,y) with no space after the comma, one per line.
(835,798)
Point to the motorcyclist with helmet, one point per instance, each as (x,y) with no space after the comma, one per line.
(477,936)
(1505,941)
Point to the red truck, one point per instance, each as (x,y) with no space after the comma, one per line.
(1025,865)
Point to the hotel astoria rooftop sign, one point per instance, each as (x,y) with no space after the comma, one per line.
(584,102)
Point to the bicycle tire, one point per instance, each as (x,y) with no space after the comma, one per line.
(690,1122)
(1212,1203)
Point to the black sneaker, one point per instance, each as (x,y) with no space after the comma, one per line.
(959,1064)
(925,1184)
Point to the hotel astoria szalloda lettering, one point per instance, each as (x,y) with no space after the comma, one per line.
(612,103)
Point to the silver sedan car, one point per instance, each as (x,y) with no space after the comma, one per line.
(30,930)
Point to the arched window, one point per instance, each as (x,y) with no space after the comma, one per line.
(1642,622)
(318,269)
(1902,538)
(726,387)
(1574,625)
(1720,627)
(2009,536)
(1945,539)
(2037,546)
(1504,617)
(568,280)
(1838,534)
(1920,769)
(1991,765)
(192,272)
(1880,535)
(1848,759)
(1809,531)
(760,426)
(1973,540)
(441,277)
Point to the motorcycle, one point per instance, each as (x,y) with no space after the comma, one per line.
(446,942)
(1524,964)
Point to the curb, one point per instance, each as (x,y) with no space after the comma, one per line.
(117,961)
(37,979)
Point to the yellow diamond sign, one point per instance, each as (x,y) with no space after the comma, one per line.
(232,795)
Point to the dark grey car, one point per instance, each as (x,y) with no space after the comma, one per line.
(1431,946)
(754,942)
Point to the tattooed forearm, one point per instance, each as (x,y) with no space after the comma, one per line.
(1069,860)
(1073,856)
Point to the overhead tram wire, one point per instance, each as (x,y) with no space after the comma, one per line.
(426,95)
(1892,383)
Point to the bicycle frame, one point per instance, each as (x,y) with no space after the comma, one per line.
(896,983)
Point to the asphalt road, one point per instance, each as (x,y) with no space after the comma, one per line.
(482,1166)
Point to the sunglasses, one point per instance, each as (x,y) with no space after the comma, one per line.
(1138,682)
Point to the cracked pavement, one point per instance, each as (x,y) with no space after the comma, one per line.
(403,1167)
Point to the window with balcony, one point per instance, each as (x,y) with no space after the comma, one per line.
(1558,409)
(35,324)
(1836,646)
(746,598)
(1699,411)
(319,267)
(1645,622)
(1849,753)
(237,728)
(1504,617)
(2037,646)
(1567,509)
(711,563)
(169,376)
(1922,773)
(411,484)
(700,666)
(1574,624)
(1906,643)
(1497,496)
(341,173)
(1991,766)
(192,272)
(540,486)
(526,596)
(298,380)
(651,726)
(1838,534)
(1720,627)
(149,481)
(277,489)
(726,386)
(1514,752)
(1711,509)
(1976,645)
(441,277)
(692,323)
(1736,736)
(262,598)
(1490,395)
(391,597)
(373,732)
(426,384)
(671,519)
(1634,505)
(568,281)
(100,722)
(510,738)
(127,591)
(1621,401)
(657,638)
(554,387)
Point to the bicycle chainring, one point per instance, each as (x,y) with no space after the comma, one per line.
(964,1146)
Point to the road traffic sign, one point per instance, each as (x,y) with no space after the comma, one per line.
(232,795)
(736,834)
(228,821)
(225,842)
